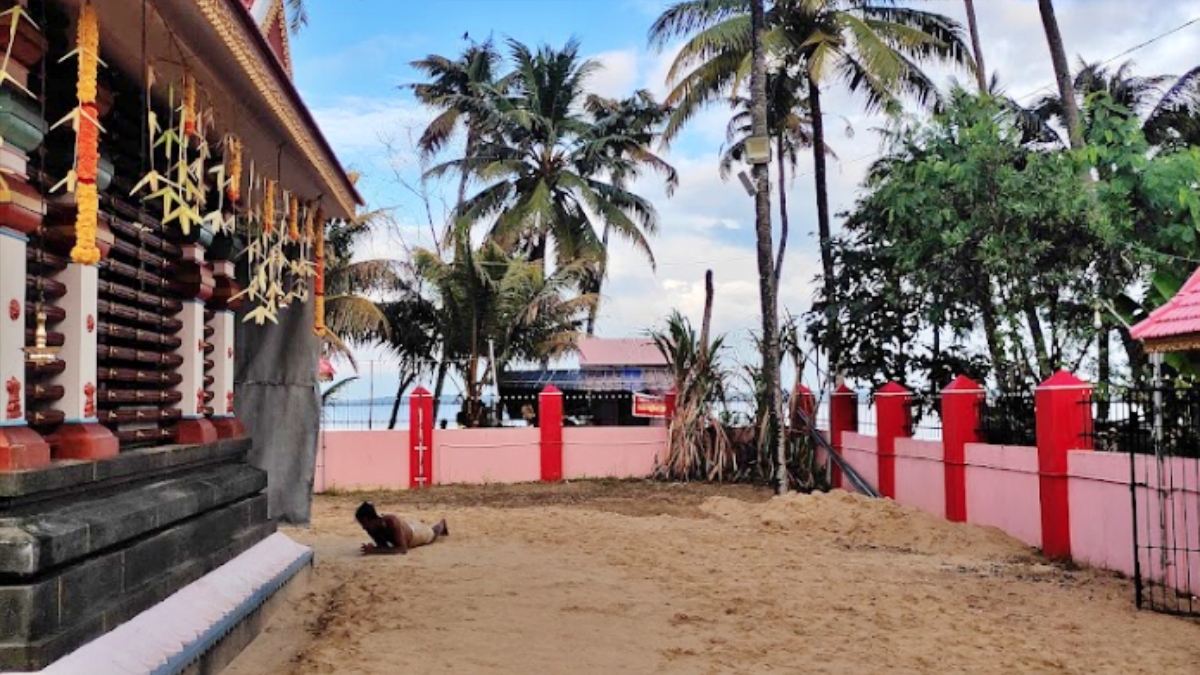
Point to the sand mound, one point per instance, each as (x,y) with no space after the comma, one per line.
(854,520)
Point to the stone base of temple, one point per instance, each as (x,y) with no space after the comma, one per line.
(229,427)
(83,441)
(197,431)
(22,449)
(87,546)
(203,627)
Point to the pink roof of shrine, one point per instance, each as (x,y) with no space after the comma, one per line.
(616,353)
(1176,325)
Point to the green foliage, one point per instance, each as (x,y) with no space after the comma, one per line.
(964,228)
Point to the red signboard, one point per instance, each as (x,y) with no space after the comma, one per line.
(645,405)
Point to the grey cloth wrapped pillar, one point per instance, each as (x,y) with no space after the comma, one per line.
(277,399)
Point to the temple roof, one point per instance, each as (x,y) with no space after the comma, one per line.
(1176,325)
(272,23)
(247,80)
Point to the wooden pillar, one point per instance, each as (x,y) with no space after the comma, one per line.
(21,448)
(1063,417)
(960,426)
(80,436)
(893,411)
(194,282)
(843,418)
(550,424)
(420,438)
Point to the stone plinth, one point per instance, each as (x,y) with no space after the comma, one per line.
(85,546)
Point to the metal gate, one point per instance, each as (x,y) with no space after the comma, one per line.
(1159,429)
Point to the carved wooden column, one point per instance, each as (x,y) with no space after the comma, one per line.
(193,282)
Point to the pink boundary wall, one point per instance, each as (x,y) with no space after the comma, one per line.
(921,475)
(379,460)
(362,460)
(611,452)
(1002,490)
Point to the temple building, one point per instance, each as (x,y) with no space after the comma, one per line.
(163,199)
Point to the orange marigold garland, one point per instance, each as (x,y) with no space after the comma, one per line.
(87,139)
(319,282)
(268,213)
(309,214)
(294,218)
(189,104)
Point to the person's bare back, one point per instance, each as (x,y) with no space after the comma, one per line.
(394,535)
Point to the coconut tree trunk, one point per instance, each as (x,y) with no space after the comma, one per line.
(1062,73)
(833,338)
(976,46)
(598,285)
(707,322)
(405,382)
(762,227)
(438,386)
(783,214)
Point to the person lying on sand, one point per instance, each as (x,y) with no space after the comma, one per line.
(393,535)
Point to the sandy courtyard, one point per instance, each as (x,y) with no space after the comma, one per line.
(611,578)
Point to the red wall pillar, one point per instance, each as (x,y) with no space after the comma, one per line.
(893,416)
(843,418)
(420,438)
(550,423)
(1063,415)
(960,425)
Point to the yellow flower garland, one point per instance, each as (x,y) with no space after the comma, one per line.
(319,284)
(87,139)
(235,170)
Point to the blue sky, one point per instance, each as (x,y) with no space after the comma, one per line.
(354,53)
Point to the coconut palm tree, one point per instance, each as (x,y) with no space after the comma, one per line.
(872,47)
(298,11)
(459,89)
(624,134)
(489,297)
(1062,72)
(1168,106)
(791,132)
(981,75)
(538,154)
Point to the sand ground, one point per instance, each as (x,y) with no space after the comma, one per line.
(648,578)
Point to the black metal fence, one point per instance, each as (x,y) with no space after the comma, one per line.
(924,417)
(1008,418)
(1159,428)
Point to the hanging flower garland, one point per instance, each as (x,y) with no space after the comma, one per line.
(234,191)
(268,214)
(293,218)
(87,139)
(319,284)
(189,105)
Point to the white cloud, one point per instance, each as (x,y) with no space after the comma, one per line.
(619,75)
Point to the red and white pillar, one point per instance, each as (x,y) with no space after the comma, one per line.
(80,436)
(21,448)
(195,279)
(420,438)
